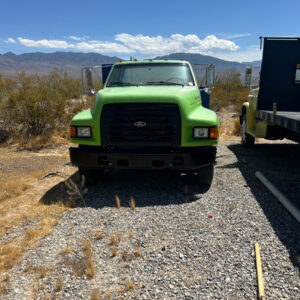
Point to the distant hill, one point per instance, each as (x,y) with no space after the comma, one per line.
(44,63)
(256,63)
(221,65)
(72,62)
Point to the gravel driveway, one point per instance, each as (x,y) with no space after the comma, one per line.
(168,246)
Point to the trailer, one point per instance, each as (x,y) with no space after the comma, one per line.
(272,110)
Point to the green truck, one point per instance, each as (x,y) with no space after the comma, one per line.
(149,115)
(272,110)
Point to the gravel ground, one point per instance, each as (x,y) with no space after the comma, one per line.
(169,248)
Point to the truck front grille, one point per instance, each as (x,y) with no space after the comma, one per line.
(140,124)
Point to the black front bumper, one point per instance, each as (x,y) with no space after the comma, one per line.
(187,158)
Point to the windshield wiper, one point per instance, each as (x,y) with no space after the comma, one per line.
(164,83)
(121,83)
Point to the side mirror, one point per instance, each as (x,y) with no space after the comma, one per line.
(89,79)
(210,76)
(248,77)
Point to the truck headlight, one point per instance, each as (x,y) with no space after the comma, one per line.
(83,131)
(201,132)
(206,133)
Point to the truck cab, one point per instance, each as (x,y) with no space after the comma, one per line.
(149,115)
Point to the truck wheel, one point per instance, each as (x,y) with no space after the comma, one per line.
(91,175)
(205,175)
(247,139)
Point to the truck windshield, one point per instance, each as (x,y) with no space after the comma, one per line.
(150,74)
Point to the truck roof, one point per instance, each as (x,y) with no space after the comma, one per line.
(151,61)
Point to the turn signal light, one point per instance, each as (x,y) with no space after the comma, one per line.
(213,134)
(72,131)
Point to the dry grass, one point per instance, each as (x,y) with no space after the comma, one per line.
(89,264)
(13,185)
(118,201)
(39,142)
(138,252)
(237,127)
(82,266)
(12,213)
(132,203)
(59,284)
(95,295)
(230,206)
(119,237)
(126,256)
(12,250)
(107,294)
(4,284)
(98,235)
(20,192)
(112,240)
(35,288)
(129,285)
(67,250)
(114,251)
(42,272)
(76,192)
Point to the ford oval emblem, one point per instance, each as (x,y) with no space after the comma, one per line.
(140,124)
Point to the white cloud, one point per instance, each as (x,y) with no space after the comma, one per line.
(175,43)
(77,38)
(150,45)
(235,35)
(10,40)
(45,43)
(92,46)
(104,47)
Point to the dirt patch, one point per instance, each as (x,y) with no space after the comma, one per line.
(23,183)
(20,169)
(229,119)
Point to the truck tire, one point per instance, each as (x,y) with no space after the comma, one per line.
(247,139)
(91,175)
(205,175)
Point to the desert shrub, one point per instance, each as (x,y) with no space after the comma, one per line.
(35,105)
(228,91)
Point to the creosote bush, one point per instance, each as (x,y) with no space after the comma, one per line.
(228,91)
(34,105)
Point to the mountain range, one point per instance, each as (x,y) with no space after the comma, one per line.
(72,62)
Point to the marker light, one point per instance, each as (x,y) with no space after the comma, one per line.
(213,133)
(72,131)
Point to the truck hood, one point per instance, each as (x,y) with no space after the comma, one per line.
(186,97)
(151,93)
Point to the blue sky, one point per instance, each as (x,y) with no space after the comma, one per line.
(222,28)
